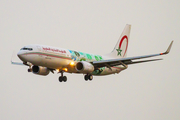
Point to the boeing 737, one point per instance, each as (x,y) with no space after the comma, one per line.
(43,59)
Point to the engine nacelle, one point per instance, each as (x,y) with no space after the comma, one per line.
(84,67)
(40,70)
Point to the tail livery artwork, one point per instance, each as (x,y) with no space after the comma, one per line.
(43,59)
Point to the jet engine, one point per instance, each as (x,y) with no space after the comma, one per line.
(40,70)
(84,67)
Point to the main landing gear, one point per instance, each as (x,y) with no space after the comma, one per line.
(88,77)
(62,78)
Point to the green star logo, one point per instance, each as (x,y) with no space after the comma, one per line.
(119,51)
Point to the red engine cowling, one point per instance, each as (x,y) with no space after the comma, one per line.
(40,70)
(84,67)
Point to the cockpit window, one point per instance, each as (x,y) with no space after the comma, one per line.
(30,49)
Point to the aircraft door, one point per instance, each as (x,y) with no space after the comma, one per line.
(39,48)
(39,56)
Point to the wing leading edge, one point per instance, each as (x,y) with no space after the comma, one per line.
(128,60)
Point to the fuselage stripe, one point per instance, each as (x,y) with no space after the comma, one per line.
(51,55)
(56,56)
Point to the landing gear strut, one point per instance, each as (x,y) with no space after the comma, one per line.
(62,78)
(88,77)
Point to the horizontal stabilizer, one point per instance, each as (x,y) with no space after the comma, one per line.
(16,63)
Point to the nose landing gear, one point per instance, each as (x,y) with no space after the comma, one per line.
(62,78)
(29,70)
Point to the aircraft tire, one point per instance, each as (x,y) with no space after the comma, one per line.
(90,77)
(64,78)
(29,70)
(60,79)
(86,77)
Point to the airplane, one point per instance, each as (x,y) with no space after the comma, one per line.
(43,59)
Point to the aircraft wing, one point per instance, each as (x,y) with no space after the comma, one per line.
(129,60)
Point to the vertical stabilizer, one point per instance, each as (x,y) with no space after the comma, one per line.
(120,50)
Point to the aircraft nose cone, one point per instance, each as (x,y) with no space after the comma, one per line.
(20,55)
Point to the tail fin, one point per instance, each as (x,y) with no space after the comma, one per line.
(120,50)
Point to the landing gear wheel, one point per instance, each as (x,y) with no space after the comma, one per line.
(90,77)
(29,70)
(64,78)
(86,77)
(60,79)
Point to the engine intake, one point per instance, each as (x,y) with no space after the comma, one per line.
(84,67)
(40,70)
(79,66)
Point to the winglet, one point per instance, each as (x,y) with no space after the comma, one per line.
(169,48)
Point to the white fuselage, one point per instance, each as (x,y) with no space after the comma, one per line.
(59,59)
(43,59)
